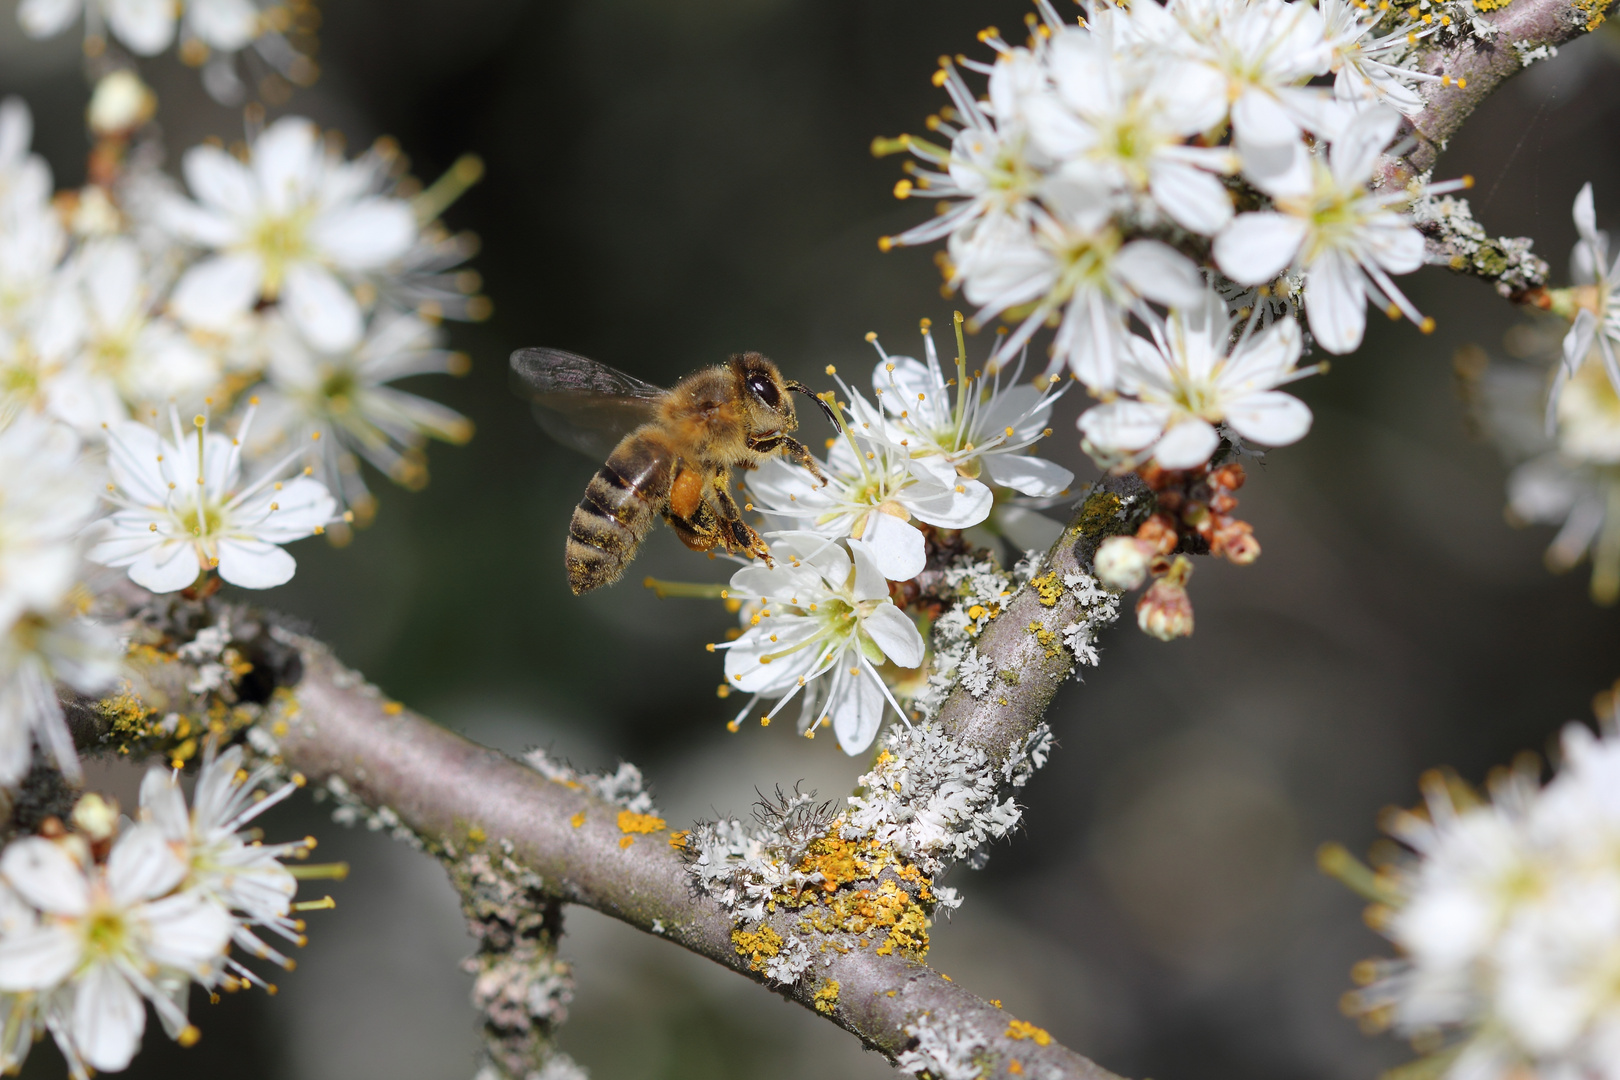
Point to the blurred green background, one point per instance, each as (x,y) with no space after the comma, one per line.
(668,183)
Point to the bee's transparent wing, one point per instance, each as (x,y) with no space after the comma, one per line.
(580,403)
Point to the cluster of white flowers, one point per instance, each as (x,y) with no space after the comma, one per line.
(96,919)
(1102,148)
(1508,919)
(928,450)
(185,384)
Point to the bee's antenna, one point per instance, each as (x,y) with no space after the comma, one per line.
(825,408)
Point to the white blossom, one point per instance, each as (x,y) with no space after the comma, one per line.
(874,489)
(1074,265)
(1177,387)
(1508,916)
(340,404)
(225,861)
(976,425)
(822,621)
(1345,238)
(125,357)
(1123,123)
(184,510)
(109,936)
(291,225)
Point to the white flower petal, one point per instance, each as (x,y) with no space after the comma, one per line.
(895,634)
(142,865)
(1187,444)
(214,292)
(1123,425)
(38,958)
(187,930)
(286,161)
(1027,475)
(870,582)
(897,548)
(221,182)
(1272,418)
(254,564)
(857,712)
(165,567)
(1159,272)
(108,1018)
(1336,302)
(323,310)
(1256,247)
(365,235)
(1193,198)
(46,876)
(958,507)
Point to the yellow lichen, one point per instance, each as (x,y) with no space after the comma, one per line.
(1593,10)
(577,820)
(1049,588)
(758,945)
(626,841)
(826,999)
(476,834)
(1047,639)
(392,708)
(1015,1067)
(632,822)
(1022,1029)
(678,839)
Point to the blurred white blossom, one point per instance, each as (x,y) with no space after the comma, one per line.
(295,224)
(1507,913)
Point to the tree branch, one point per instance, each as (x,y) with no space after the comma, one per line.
(1478,61)
(466,802)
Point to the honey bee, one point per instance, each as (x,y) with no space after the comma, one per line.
(672,451)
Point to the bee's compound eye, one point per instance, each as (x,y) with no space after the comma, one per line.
(765,390)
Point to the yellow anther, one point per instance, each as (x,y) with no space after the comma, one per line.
(200,420)
(1427,325)
(902,189)
(871,336)
(831,370)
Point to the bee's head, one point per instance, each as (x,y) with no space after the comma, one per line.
(767,394)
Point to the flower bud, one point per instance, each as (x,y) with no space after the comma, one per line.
(121,102)
(1236,541)
(96,817)
(1121,563)
(1165,610)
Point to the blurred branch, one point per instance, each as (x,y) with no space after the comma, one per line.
(1476,64)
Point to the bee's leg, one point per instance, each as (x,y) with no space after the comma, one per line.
(742,539)
(792,449)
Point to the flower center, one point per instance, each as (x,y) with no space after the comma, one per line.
(338,390)
(106,933)
(280,241)
(203,518)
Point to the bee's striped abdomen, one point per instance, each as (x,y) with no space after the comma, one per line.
(620,504)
